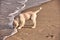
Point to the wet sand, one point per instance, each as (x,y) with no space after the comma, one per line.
(48,24)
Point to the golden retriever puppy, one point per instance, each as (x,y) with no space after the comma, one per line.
(26,16)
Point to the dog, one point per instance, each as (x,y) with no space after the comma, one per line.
(26,16)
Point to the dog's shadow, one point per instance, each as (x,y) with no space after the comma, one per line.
(27,26)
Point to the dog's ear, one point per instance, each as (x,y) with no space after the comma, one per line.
(14,24)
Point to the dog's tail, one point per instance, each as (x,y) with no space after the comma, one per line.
(38,10)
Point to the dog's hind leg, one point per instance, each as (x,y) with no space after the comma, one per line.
(33,18)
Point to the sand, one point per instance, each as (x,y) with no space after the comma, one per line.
(48,24)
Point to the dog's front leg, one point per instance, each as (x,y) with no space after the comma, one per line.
(22,24)
(22,19)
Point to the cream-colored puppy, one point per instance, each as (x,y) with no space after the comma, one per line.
(25,16)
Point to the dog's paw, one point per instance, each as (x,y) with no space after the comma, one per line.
(19,27)
(33,27)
